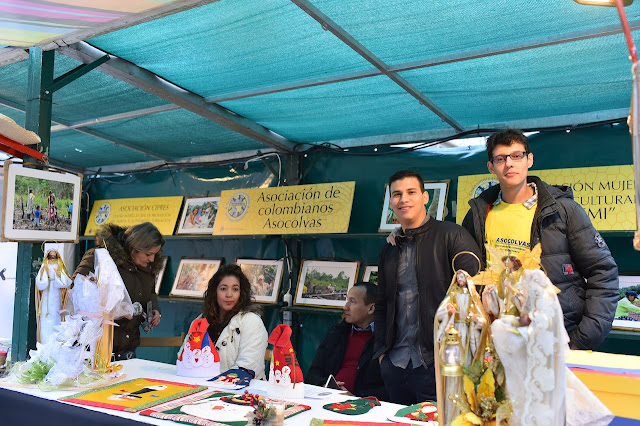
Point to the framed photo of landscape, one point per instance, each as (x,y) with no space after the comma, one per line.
(325,283)
(370,274)
(198,215)
(40,205)
(627,316)
(193,277)
(264,276)
(438,192)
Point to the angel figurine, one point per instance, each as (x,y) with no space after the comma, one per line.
(52,282)
(462,309)
(502,293)
(460,322)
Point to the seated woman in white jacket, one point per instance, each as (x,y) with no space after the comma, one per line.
(238,332)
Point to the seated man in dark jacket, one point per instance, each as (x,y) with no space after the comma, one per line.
(347,349)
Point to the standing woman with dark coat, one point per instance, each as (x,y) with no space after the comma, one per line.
(136,252)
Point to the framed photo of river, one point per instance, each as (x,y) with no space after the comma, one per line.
(436,206)
(325,283)
(40,205)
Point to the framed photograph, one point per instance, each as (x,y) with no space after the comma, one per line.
(438,192)
(370,274)
(40,205)
(160,275)
(265,277)
(193,277)
(198,215)
(325,283)
(627,315)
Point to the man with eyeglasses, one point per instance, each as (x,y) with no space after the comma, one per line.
(523,211)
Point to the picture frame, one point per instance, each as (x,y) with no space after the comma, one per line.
(370,274)
(160,274)
(192,277)
(631,320)
(198,215)
(35,205)
(438,194)
(325,283)
(265,277)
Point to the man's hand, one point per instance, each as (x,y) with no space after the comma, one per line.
(156,318)
(380,359)
(341,384)
(391,238)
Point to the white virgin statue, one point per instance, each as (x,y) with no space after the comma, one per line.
(52,282)
(532,350)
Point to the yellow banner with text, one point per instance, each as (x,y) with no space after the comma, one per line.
(300,209)
(606,193)
(161,211)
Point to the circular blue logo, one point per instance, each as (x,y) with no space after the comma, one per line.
(237,206)
(483,185)
(103,213)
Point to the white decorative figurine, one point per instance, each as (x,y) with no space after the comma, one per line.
(52,282)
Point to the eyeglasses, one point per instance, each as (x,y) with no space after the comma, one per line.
(515,156)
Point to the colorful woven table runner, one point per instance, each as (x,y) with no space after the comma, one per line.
(133,395)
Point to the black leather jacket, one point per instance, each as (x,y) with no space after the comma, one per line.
(329,359)
(437,243)
(574,255)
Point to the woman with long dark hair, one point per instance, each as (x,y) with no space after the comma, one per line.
(238,332)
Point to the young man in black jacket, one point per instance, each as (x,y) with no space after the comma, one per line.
(524,211)
(347,350)
(413,278)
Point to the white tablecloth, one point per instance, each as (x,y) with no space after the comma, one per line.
(139,368)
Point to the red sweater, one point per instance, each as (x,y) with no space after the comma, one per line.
(349,367)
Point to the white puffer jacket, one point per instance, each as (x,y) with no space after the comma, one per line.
(243,343)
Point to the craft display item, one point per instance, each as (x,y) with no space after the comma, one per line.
(208,409)
(321,422)
(234,378)
(198,356)
(460,331)
(515,374)
(219,411)
(353,407)
(101,297)
(425,413)
(133,395)
(79,350)
(245,398)
(285,375)
(52,281)
(264,413)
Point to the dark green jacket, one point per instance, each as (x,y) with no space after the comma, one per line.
(140,283)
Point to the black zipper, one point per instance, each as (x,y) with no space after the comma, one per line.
(415,248)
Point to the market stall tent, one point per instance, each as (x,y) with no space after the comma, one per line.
(214,80)
(219,82)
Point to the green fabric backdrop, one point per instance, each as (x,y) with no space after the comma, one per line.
(597,146)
